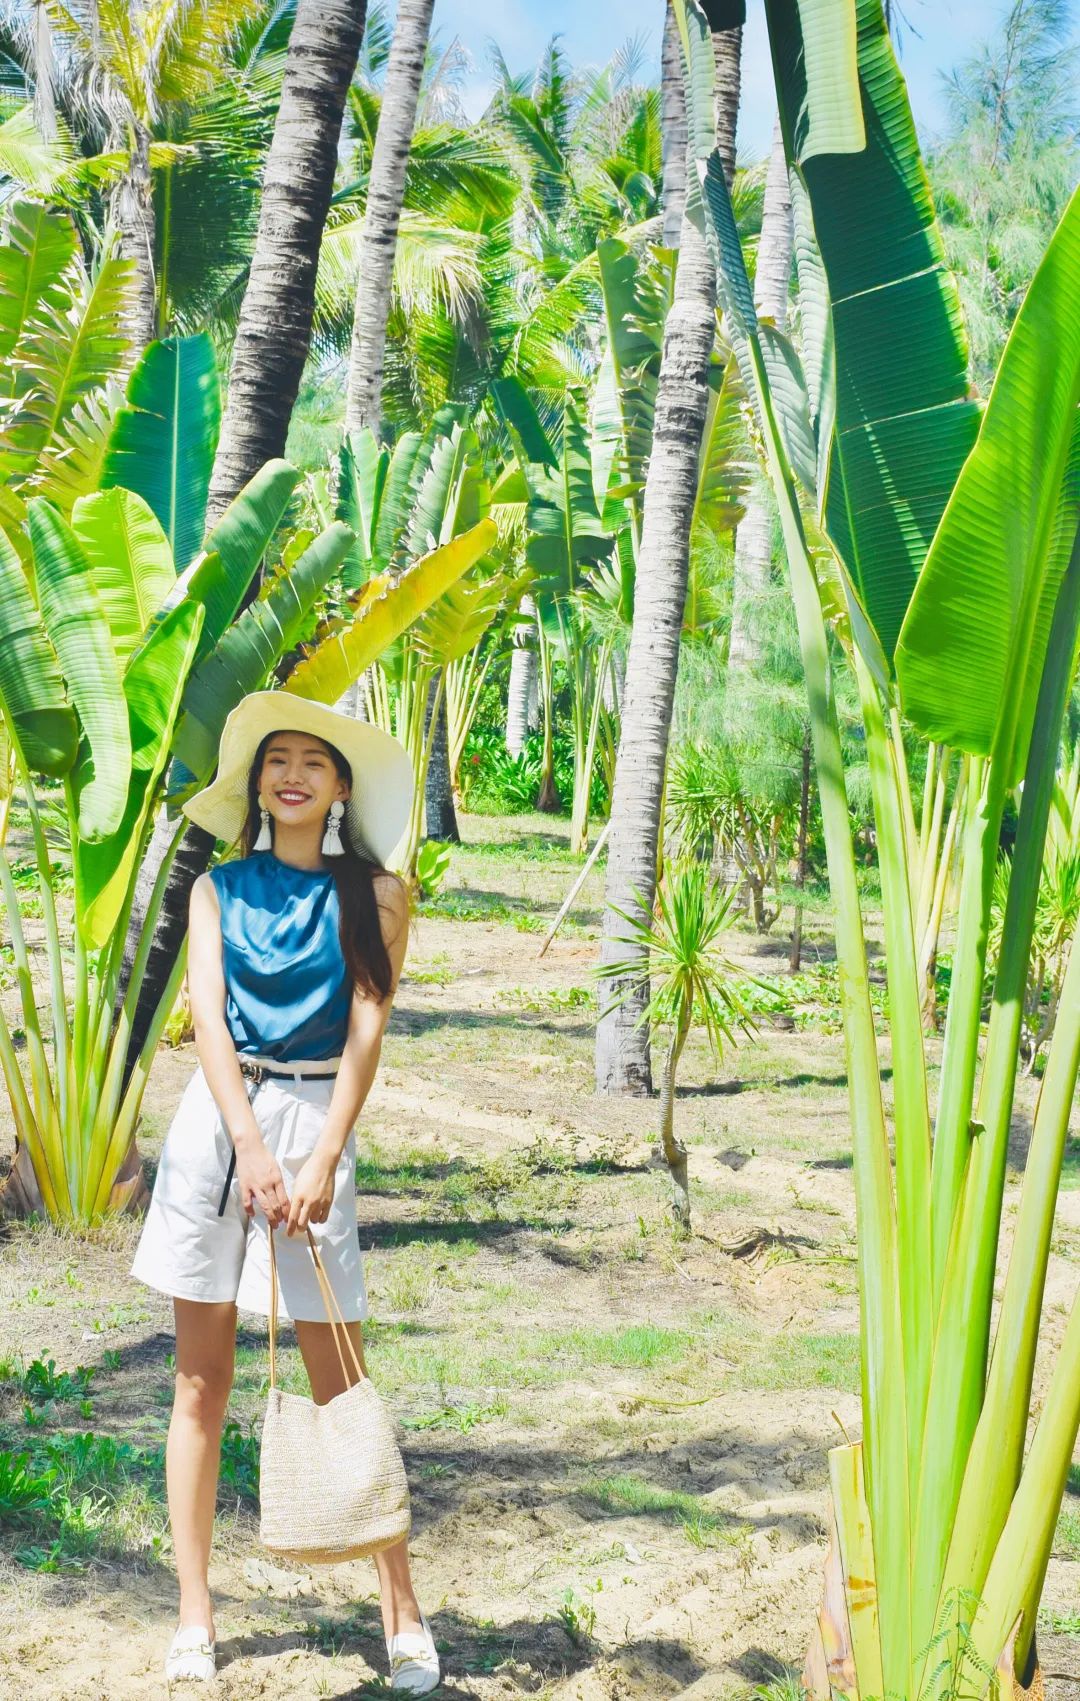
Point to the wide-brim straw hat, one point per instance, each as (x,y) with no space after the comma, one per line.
(377,809)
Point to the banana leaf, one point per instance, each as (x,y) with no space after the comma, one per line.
(245,654)
(79,632)
(240,540)
(904,418)
(153,686)
(363,466)
(130,562)
(380,612)
(163,440)
(974,641)
(39,247)
(40,720)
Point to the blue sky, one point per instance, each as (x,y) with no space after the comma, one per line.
(593,29)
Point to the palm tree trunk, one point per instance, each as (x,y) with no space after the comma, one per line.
(519,695)
(386,189)
(269,353)
(623,1063)
(673,131)
(753,542)
(521,687)
(132,207)
(440,816)
(274,333)
(727,49)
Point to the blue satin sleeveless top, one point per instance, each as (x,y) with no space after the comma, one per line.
(288,991)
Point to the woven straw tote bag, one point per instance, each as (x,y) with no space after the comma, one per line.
(332,1481)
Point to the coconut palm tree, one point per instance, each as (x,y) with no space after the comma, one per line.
(772,284)
(386,188)
(622,1046)
(274,331)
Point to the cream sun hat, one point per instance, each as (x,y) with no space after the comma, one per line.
(377,809)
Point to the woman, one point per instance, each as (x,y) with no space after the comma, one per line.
(295,949)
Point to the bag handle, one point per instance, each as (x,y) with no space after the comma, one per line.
(333,1313)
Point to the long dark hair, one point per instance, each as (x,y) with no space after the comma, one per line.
(355,873)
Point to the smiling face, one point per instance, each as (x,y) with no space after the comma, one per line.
(298,780)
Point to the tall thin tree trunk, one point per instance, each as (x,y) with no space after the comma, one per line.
(727,50)
(386,190)
(672,130)
(795,959)
(753,541)
(522,685)
(440,816)
(623,1063)
(519,695)
(274,333)
(132,206)
(269,353)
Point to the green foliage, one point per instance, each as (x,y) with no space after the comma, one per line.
(432,866)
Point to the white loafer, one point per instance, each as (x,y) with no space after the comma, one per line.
(414,1662)
(192,1657)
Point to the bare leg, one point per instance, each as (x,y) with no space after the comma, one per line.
(205,1354)
(400,1608)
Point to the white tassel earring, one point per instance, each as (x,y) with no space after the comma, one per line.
(264,841)
(332,845)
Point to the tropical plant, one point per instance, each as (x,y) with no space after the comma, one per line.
(429,491)
(62,342)
(967,617)
(132,77)
(713,814)
(687,981)
(123,656)
(1008,164)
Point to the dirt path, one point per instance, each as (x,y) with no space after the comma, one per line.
(616,1440)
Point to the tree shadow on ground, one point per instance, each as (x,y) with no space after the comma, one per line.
(528,1651)
(768,1083)
(413,1023)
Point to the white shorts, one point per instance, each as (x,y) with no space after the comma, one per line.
(187,1250)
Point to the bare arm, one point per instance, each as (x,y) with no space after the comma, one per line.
(313,1189)
(257,1171)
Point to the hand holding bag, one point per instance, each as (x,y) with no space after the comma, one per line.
(332,1479)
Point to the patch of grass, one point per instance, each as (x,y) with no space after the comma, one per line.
(1068,1533)
(486,907)
(240,1462)
(554,999)
(637,1498)
(461,1419)
(795,1360)
(1073,1483)
(1070,1165)
(1061,1623)
(84,1496)
(439,972)
(637,1346)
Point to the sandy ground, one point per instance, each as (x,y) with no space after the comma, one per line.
(616,1440)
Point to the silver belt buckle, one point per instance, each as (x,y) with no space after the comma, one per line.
(253,1071)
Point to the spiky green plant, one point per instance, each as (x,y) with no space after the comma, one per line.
(943,544)
(680,960)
